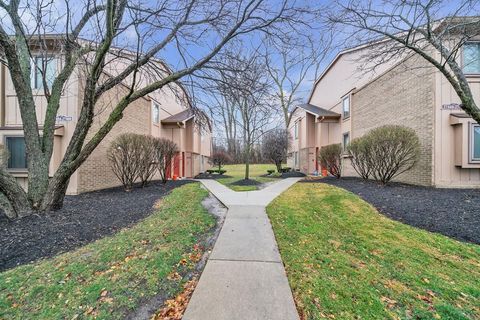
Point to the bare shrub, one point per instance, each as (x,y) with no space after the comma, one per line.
(275,146)
(359,155)
(147,160)
(165,152)
(124,155)
(331,158)
(385,152)
(220,158)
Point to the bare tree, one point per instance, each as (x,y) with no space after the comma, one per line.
(290,65)
(275,145)
(245,85)
(166,150)
(220,158)
(125,37)
(330,157)
(434,30)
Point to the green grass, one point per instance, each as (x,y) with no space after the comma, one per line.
(108,278)
(344,260)
(237,173)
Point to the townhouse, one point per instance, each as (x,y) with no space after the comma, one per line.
(165,113)
(350,98)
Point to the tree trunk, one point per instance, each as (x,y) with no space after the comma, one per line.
(279,166)
(247,162)
(13,199)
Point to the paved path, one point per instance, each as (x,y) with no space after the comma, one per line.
(244,277)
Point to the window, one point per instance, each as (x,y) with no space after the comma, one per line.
(346,140)
(471,57)
(346,107)
(17,155)
(475,143)
(156,113)
(296,130)
(43,66)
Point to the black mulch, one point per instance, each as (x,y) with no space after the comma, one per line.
(214,176)
(246,182)
(291,174)
(452,212)
(83,219)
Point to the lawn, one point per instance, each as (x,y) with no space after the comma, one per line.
(236,172)
(110,277)
(344,260)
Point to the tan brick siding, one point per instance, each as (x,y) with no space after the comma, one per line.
(402,96)
(96,173)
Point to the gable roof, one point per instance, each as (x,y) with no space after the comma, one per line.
(317,111)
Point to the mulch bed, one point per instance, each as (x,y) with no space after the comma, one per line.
(452,212)
(83,219)
(213,176)
(246,182)
(291,174)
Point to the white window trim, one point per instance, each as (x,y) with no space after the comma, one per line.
(155,106)
(471,144)
(463,59)
(349,107)
(295,130)
(33,76)
(345,134)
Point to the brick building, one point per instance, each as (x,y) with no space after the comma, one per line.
(164,113)
(349,99)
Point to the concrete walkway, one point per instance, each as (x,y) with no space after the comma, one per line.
(244,277)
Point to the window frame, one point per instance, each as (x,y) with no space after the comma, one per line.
(156,119)
(472,143)
(20,170)
(476,42)
(345,134)
(344,116)
(36,71)
(295,130)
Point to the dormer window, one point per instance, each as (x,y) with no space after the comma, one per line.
(346,107)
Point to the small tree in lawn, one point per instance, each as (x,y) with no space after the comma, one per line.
(220,158)
(275,146)
(124,155)
(331,158)
(165,152)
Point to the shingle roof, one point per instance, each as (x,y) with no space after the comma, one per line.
(179,117)
(320,112)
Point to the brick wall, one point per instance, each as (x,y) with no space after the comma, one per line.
(95,173)
(402,96)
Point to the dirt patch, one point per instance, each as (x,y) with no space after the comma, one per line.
(83,219)
(452,212)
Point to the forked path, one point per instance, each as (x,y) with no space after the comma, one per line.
(244,277)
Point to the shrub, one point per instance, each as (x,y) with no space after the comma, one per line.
(285,169)
(148,160)
(275,146)
(221,171)
(389,151)
(220,158)
(165,151)
(359,151)
(270,171)
(3,156)
(124,155)
(210,171)
(330,157)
